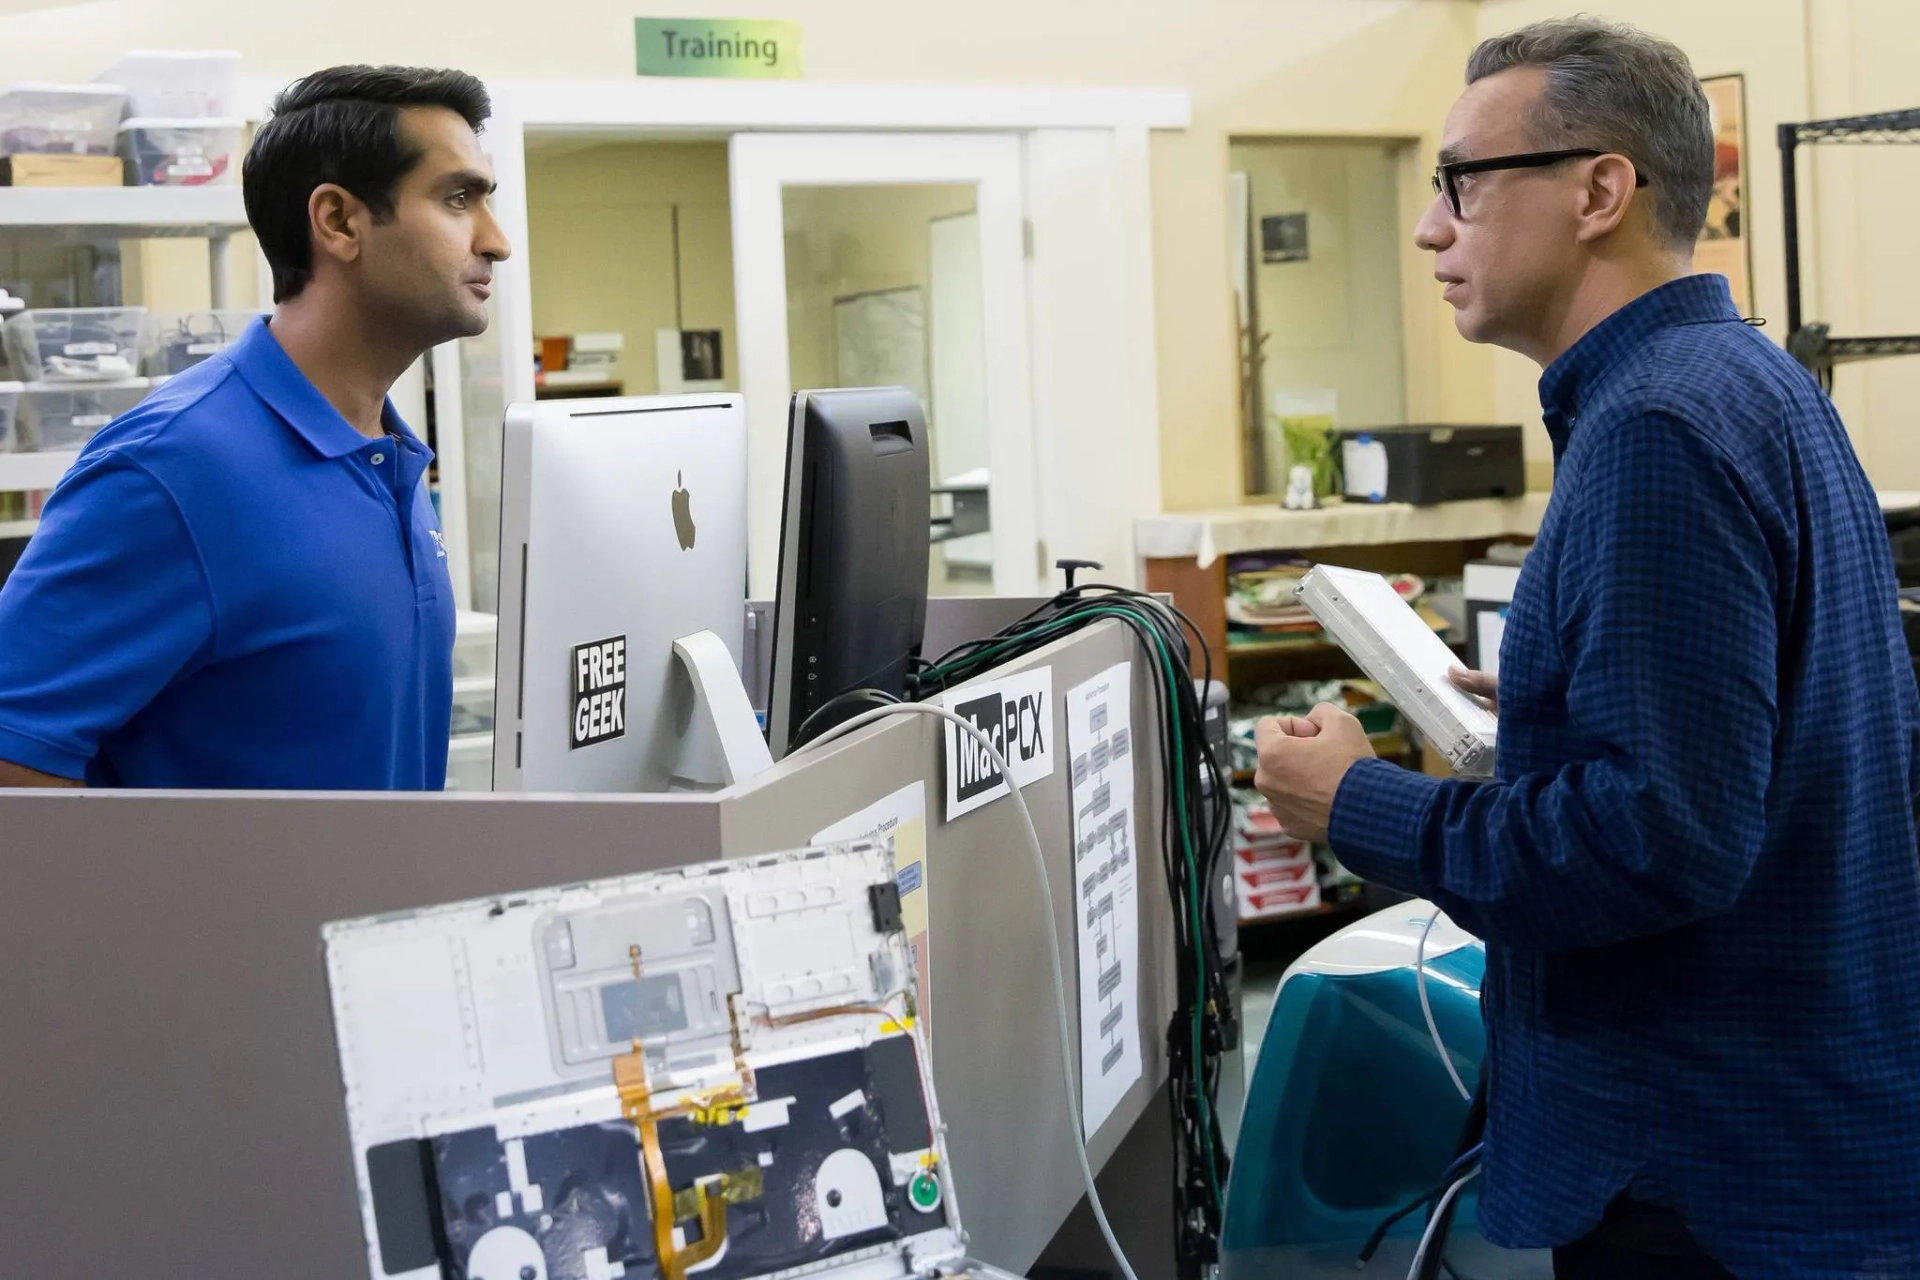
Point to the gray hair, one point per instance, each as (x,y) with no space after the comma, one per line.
(1615,87)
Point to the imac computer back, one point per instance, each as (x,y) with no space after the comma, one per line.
(854,543)
(622,528)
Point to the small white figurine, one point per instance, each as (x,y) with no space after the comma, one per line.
(1300,489)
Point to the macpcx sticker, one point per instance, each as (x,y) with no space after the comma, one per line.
(1016,714)
(598,672)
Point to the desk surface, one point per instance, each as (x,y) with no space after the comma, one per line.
(1207,535)
(168,1054)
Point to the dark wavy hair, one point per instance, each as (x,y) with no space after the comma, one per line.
(341,125)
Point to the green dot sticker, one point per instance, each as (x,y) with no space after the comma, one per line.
(924,1191)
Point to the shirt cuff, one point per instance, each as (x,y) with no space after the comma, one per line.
(32,753)
(1379,814)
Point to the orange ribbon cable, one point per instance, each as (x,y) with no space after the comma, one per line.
(713,1105)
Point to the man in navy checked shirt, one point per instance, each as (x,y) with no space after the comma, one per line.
(1696,870)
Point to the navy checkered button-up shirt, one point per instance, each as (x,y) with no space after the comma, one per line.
(1696,870)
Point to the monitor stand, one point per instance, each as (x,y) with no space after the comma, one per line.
(723,743)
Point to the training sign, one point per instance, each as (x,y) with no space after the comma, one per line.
(598,673)
(1017,714)
(727,48)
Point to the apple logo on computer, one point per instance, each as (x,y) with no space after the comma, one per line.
(683,513)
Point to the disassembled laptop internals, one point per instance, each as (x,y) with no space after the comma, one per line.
(711,1070)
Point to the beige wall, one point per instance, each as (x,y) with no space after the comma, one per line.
(1314,68)
(600,221)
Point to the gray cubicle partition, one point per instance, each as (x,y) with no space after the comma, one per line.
(170,1098)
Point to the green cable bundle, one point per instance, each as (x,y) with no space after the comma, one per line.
(1194,831)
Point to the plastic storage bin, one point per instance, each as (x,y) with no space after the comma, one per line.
(78,344)
(9,416)
(175,341)
(9,307)
(63,417)
(473,705)
(164,152)
(473,645)
(470,763)
(179,83)
(60,119)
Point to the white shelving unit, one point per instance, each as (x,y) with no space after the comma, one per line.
(127,213)
(20,472)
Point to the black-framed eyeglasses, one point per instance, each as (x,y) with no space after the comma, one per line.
(1446,177)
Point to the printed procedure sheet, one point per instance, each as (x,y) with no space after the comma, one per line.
(1106,897)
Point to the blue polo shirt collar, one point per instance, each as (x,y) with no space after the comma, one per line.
(277,380)
(1571,380)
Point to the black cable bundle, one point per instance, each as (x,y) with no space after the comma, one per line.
(1194,820)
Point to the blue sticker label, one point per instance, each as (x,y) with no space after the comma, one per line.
(909,878)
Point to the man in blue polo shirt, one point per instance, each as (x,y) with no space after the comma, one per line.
(241,583)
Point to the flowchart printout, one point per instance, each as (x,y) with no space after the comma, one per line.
(1106,897)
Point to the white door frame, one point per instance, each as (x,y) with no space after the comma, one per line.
(762,166)
(505,144)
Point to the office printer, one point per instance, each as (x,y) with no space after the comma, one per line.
(1426,463)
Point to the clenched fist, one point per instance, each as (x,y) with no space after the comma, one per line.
(1302,760)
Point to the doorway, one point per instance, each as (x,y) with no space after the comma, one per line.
(884,289)
(894,260)
(1316,237)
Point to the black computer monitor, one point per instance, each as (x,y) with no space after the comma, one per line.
(852,602)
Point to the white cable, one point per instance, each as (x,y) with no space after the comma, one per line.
(1053,942)
(1426,1008)
(1433,1223)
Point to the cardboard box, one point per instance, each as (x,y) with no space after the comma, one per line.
(1276,875)
(62,171)
(1286,901)
(1262,853)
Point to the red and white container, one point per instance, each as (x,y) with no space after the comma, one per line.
(1285,900)
(163,152)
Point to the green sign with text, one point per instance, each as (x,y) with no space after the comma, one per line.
(731,48)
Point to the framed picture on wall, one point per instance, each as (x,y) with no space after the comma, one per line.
(1283,237)
(1725,245)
